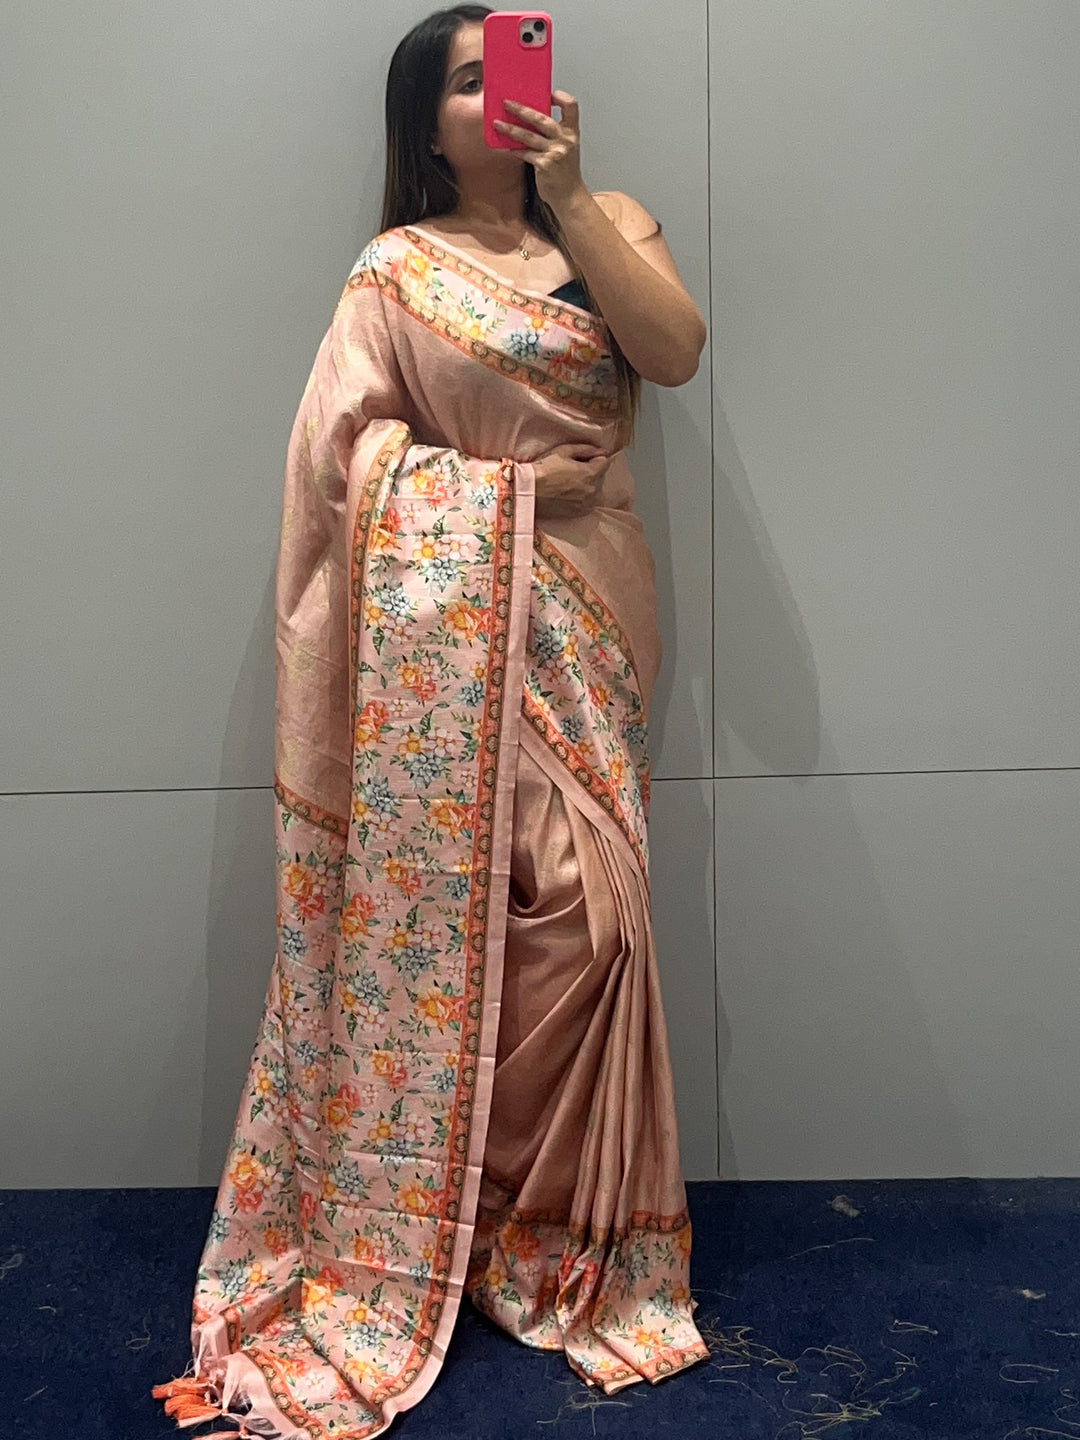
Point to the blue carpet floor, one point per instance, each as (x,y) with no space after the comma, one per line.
(877,1309)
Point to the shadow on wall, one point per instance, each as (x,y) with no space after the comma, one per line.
(796,962)
(240,920)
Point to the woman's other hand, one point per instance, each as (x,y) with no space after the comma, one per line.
(568,480)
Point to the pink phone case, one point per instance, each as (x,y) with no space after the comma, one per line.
(513,71)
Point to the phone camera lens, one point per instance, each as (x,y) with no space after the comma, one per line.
(539,25)
(527,37)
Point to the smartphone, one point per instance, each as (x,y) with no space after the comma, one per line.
(517,66)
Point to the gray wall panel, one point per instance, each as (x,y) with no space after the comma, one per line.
(897,958)
(895,204)
(138,942)
(895,200)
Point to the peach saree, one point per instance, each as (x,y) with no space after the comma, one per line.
(461,1084)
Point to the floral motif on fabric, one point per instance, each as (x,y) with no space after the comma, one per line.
(538,342)
(605,1299)
(346,1167)
(582,695)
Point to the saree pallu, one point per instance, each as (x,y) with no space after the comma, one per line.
(461,1083)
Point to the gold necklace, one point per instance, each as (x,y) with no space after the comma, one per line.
(522,248)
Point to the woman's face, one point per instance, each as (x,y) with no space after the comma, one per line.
(460,136)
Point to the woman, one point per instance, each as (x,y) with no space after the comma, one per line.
(461,1084)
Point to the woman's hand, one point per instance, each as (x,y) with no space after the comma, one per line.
(568,480)
(554,152)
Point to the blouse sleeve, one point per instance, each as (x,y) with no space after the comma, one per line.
(629,217)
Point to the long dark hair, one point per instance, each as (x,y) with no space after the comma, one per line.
(420,186)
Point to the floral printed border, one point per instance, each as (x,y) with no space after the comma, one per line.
(388,264)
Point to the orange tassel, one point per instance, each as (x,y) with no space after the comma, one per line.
(190,1412)
(186,1385)
(187,1401)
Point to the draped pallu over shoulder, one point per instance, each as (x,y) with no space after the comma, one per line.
(425,631)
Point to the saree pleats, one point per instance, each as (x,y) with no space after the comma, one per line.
(460,1084)
(583,1237)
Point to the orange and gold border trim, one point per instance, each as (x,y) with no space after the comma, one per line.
(309,811)
(595,603)
(576,765)
(600,403)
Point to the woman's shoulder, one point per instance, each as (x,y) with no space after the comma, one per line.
(380,252)
(628,215)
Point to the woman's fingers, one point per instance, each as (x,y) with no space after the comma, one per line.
(573,450)
(568,107)
(569,478)
(536,118)
(527,137)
